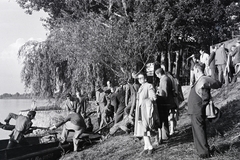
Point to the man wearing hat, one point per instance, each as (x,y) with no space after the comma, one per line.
(22,127)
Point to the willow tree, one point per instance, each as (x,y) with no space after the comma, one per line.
(92,41)
(38,73)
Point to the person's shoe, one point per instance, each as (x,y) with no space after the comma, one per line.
(204,156)
(127,131)
(150,151)
(153,133)
(165,140)
(144,152)
(157,143)
(171,133)
(213,151)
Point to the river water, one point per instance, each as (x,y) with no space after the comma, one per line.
(14,106)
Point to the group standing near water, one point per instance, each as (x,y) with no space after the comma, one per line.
(149,111)
(137,106)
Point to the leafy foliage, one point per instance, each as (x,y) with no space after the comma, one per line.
(92,41)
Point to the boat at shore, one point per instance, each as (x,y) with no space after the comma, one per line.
(36,150)
(44,148)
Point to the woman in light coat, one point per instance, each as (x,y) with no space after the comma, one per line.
(146,113)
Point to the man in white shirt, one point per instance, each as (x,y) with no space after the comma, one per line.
(204,57)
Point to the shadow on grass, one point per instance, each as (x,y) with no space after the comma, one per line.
(184,136)
(226,127)
(185,132)
(228,121)
(223,148)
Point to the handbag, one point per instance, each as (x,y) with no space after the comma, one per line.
(211,110)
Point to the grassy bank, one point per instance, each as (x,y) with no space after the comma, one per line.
(223,134)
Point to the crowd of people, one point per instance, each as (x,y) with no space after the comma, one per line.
(208,72)
(145,109)
(153,110)
(150,112)
(142,108)
(222,64)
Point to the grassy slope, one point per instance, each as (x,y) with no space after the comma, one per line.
(180,146)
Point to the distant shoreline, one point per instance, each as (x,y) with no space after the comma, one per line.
(16,96)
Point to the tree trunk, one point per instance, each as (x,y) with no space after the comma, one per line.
(169,62)
(178,63)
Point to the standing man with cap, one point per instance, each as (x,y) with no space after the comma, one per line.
(22,127)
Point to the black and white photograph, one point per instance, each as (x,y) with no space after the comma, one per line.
(119,79)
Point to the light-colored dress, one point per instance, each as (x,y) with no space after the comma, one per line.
(144,109)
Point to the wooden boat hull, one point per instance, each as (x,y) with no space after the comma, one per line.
(44,151)
(47,151)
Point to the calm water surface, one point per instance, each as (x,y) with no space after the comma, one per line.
(14,106)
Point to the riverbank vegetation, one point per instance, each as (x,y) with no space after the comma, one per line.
(93,41)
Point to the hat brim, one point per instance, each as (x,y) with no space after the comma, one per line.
(218,116)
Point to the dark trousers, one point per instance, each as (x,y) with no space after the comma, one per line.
(119,114)
(213,73)
(221,77)
(127,109)
(199,134)
(163,111)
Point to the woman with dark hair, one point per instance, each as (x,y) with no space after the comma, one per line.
(145,112)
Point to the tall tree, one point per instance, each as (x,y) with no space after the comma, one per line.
(90,40)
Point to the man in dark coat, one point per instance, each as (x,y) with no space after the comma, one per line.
(118,102)
(198,99)
(211,63)
(165,102)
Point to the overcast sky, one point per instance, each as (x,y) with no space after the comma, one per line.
(16,28)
